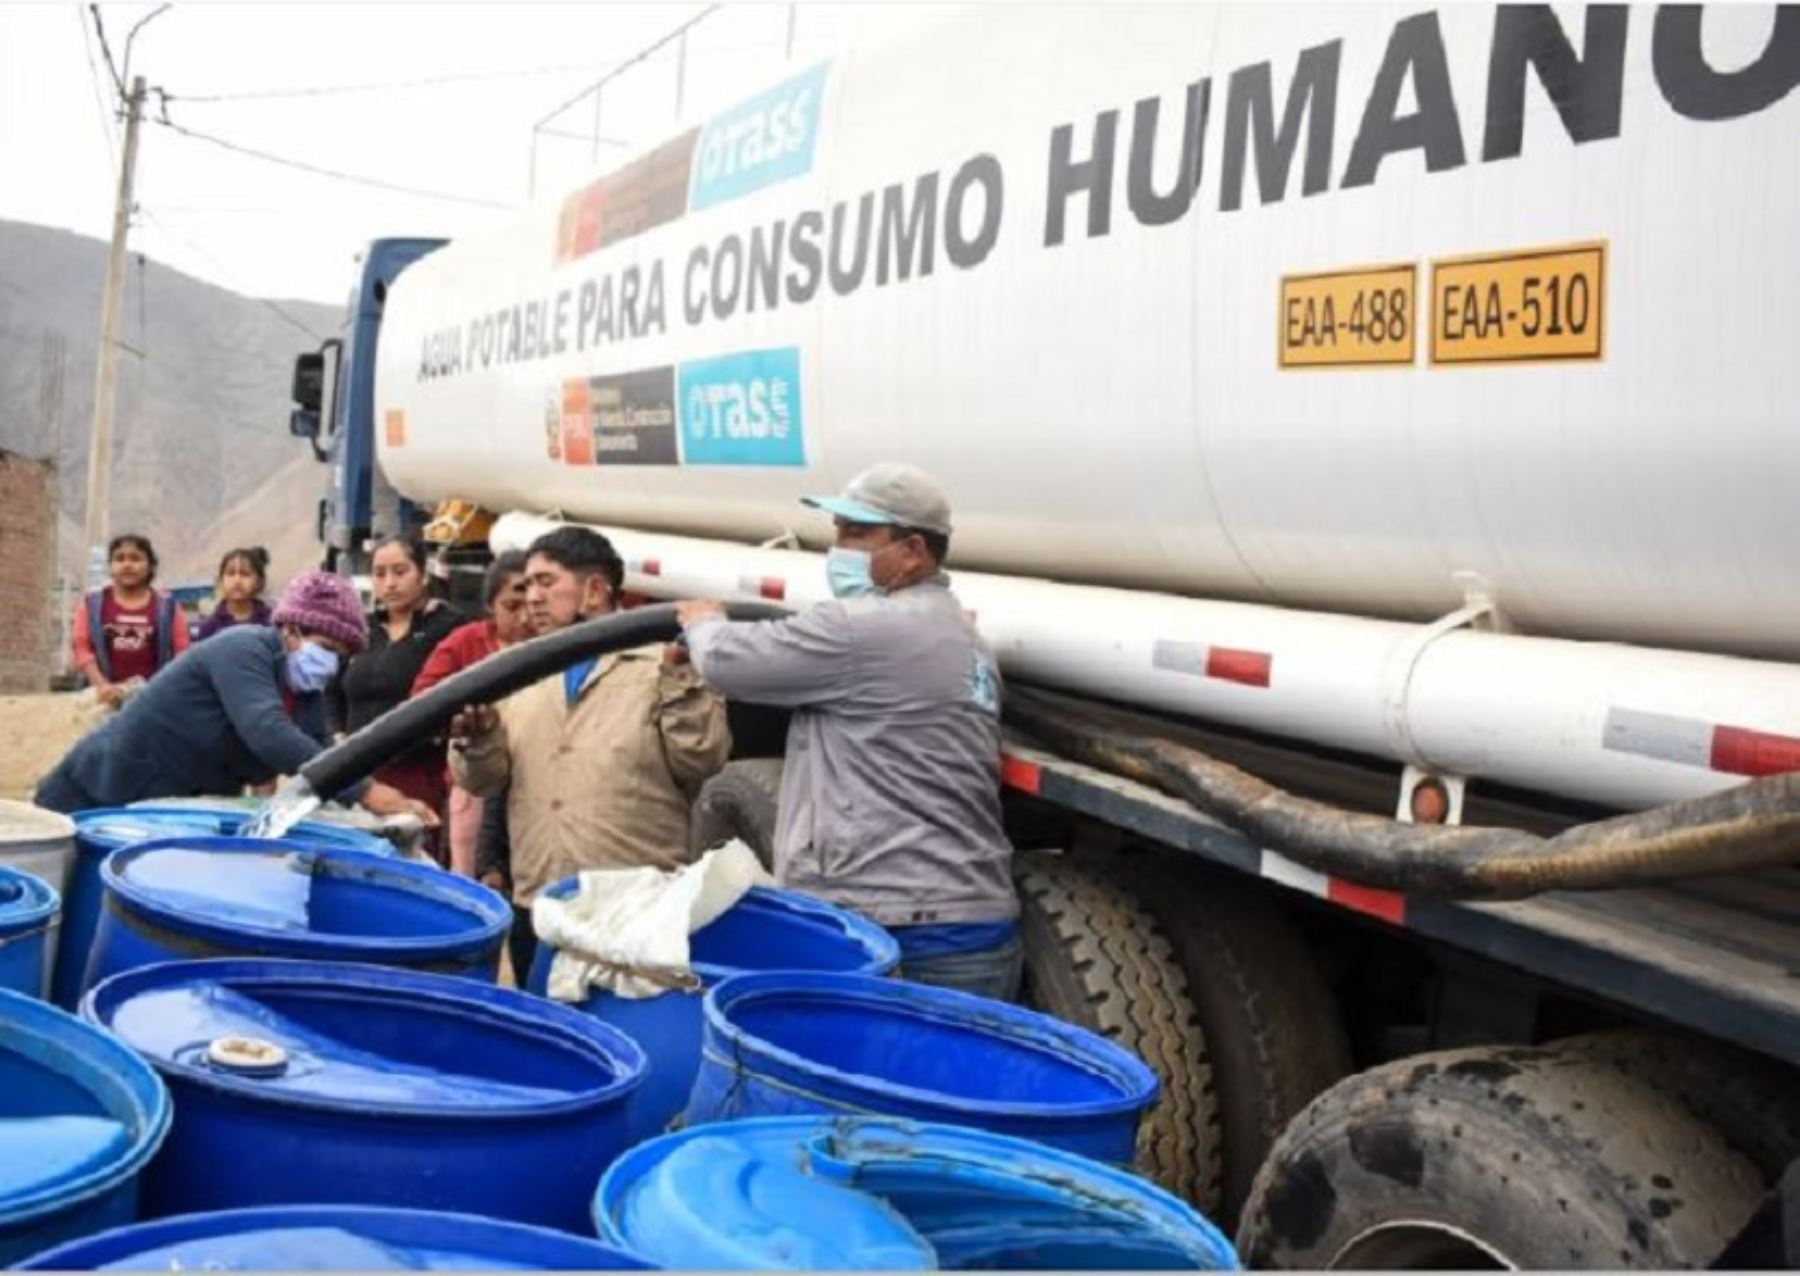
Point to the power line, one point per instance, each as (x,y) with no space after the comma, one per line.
(105,48)
(332,90)
(318,171)
(271,306)
(87,48)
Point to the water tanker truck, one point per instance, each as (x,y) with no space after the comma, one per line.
(1373,434)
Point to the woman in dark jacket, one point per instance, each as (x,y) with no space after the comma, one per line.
(406,626)
(239,709)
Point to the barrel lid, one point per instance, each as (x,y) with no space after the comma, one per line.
(78,1111)
(834,928)
(866,1192)
(230,887)
(781,929)
(23,824)
(26,901)
(332,1238)
(109,828)
(374,1040)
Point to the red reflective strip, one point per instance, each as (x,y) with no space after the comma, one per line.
(1248,667)
(1387,905)
(773,588)
(651,567)
(1016,774)
(1744,752)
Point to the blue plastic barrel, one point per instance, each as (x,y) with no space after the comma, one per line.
(225,897)
(766,930)
(101,832)
(334,1238)
(28,907)
(792,1043)
(873,1193)
(80,1115)
(302,1083)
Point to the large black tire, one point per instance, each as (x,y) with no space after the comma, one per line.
(740,801)
(1751,1100)
(1095,958)
(1273,1030)
(1534,1158)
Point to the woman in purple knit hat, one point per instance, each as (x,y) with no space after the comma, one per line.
(239,709)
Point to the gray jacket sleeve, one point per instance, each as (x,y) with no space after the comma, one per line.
(807,659)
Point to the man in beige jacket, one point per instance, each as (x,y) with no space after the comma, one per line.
(601,764)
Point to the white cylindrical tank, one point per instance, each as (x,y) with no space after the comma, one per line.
(1074,260)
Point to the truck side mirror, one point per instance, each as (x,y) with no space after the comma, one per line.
(309,388)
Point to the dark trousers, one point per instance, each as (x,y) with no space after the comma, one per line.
(521,945)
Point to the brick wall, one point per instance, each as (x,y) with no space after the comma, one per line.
(27,549)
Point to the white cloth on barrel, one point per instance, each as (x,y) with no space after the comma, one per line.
(625,931)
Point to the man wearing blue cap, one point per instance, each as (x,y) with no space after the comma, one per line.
(890,797)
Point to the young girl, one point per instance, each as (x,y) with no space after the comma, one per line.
(126,630)
(243,575)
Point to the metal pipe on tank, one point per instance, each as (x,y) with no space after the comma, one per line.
(1628,727)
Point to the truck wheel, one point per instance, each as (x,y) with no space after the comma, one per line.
(1272,1025)
(740,801)
(1752,1101)
(1095,958)
(1496,1157)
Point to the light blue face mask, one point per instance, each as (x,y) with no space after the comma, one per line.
(848,571)
(310,668)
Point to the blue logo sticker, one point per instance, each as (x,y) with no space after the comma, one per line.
(984,685)
(743,409)
(757,143)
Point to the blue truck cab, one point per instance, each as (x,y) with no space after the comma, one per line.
(334,410)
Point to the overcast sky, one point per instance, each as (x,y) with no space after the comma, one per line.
(266,230)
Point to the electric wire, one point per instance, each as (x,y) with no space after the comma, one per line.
(319,171)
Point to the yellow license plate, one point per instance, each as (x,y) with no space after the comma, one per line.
(1537,304)
(1348,318)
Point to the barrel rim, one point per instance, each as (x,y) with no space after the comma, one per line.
(336,836)
(138,1079)
(17,818)
(38,903)
(879,942)
(1138,1084)
(437,1227)
(507,1009)
(481,903)
(612,1193)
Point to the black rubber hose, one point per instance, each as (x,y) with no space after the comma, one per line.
(1754,825)
(493,679)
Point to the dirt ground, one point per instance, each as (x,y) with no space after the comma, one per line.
(35,731)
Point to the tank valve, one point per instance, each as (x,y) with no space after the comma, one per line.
(247,1056)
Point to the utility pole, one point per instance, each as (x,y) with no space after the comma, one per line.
(111,305)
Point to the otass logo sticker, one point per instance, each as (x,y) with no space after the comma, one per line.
(757,143)
(743,409)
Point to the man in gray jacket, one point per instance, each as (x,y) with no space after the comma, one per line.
(890,798)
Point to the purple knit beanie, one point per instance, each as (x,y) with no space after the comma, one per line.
(324,603)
